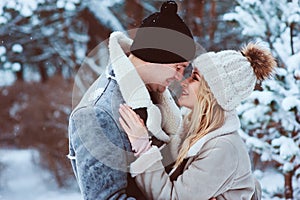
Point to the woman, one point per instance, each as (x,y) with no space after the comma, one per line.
(213,160)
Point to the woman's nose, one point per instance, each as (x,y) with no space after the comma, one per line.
(184,83)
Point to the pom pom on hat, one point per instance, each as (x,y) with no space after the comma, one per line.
(261,60)
(232,75)
(169,8)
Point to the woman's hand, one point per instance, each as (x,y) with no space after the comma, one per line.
(135,129)
(132,123)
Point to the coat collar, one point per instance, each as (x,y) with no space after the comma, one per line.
(132,87)
(231,124)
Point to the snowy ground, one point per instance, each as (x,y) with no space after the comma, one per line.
(22,179)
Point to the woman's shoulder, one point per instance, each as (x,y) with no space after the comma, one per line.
(229,144)
(230,141)
(226,141)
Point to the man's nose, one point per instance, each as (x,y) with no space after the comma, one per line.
(178,75)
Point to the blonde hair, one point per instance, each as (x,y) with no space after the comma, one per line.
(206,116)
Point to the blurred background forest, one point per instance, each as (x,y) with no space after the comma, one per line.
(44,44)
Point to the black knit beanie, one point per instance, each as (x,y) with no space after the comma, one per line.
(163,37)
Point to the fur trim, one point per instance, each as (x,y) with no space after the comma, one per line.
(261,60)
(131,85)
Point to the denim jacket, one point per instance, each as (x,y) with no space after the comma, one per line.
(99,150)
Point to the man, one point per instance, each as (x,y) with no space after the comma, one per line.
(99,149)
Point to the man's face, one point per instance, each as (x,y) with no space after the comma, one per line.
(164,74)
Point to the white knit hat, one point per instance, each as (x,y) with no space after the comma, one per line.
(232,75)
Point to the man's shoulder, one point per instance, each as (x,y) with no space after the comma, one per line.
(90,112)
(101,97)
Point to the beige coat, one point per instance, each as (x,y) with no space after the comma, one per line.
(218,166)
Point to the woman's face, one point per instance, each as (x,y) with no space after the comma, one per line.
(190,88)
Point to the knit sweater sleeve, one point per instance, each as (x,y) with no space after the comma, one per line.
(171,114)
(172,123)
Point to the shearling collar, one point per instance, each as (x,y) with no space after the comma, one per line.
(232,123)
(132,87)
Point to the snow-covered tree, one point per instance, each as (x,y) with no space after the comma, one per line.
(271,116)
(42,37)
